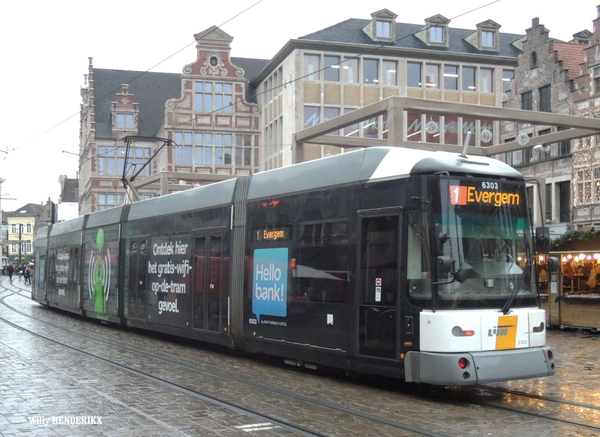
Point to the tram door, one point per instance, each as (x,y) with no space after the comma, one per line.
(210,287)
(138,262)
(379,284)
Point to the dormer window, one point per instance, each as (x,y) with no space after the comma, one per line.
(435,32)
(384,29)
(382,26)
(487,39)
(124,121)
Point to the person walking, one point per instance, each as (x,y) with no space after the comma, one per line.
(27,275)
(10,270)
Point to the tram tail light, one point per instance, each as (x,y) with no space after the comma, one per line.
(463,363)
(457,331)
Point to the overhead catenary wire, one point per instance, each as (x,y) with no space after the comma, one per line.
(357,56)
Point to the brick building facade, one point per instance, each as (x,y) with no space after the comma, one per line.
(556,76)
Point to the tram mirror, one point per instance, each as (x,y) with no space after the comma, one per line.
(441,237)
(444,266)
(542,239)
(553,264)
(464,272)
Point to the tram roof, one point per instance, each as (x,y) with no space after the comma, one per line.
(219,193)
(371,165)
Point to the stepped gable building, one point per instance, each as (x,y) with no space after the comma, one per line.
(230,116)
(558,77)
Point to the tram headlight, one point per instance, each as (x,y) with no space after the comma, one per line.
(457,331)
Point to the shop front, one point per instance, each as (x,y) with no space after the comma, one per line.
(571,297)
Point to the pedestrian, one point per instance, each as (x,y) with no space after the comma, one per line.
(27,275)
(11,270)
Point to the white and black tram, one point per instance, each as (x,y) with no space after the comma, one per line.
(400,262)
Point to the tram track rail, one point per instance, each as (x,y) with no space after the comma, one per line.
(236,407)
(466,395)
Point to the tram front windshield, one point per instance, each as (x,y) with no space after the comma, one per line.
(481,226)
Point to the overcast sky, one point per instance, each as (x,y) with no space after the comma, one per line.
(46,45)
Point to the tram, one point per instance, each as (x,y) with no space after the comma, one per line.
(392,261)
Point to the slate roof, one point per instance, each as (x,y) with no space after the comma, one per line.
(151,90)
(350,32)
(28,209)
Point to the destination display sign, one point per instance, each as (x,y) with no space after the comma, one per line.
(489,193)
(272,234)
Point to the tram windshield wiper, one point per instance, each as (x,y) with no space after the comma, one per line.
(513,294)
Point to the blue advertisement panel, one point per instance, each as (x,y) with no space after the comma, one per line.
(269,284)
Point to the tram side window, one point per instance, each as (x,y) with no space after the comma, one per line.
(321,273)
(418,271)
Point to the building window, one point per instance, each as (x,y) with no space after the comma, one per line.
(545,100)
(507,76)
(487,80)
(330,113)
(111,160)
(182,153)
(549,202)
(350,70)
(414,74)
(223,149)
(311,67)
(451,77)
(371,71)
(468,79)
(543,155)
(564,202)
(432,78)
(213,96)
(351,131)
(390,69)
(596,184)
(487,39)
(564,147)
(527,100)
(509,156)
(106,201)
(124,121)
(436,34)
(28,228)
(526,155)
(584,186)
(311,116)
(243,150)
(383,29)
(596,78)
(534,59)
(210,148)
(332,69)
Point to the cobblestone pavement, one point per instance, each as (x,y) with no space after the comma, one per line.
(49,390)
